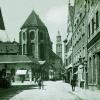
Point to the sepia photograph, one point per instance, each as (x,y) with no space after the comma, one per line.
(49,49)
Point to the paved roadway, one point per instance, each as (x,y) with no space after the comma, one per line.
(52,91)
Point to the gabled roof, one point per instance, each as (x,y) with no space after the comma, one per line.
(33,20)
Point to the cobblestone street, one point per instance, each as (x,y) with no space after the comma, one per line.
(52,91)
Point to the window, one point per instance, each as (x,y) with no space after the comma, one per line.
(94,70)
(32,35)
(32,49)
(42,52)
(41,35)
(90,71)
(89,30)
(23,48)
(97,19)
(23,35)
(92,25)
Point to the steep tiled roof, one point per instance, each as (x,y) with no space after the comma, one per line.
(33,20)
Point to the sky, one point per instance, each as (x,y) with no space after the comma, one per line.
(53,13)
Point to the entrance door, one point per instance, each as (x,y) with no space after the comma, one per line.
(98,70)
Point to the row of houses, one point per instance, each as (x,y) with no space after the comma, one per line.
(82,44)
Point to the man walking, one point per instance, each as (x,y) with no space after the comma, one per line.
(40,83)
(73,84)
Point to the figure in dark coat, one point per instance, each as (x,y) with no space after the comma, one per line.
(40,83)
(73,84)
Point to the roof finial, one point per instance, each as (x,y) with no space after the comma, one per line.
(58,32)
(69,2)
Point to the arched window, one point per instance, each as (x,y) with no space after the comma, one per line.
(23,35)
(23,48)
(32,35)
(42,52)
(41,35)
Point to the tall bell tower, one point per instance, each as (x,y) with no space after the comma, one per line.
(59,45)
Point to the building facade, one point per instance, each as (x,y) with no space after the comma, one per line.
(68,45)
(93,45)
(59,45)
(79,41)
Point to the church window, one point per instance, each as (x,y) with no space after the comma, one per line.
(32,35)
(23,35)
(23,48)
(97,19)
(92,25)
(42,53)
(41,35)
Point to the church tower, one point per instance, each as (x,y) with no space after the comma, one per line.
(59,45)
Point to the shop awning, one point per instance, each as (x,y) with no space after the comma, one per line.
(21,72)
(6,59)
(41,62)
(69,66)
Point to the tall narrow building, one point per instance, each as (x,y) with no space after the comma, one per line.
(59,45)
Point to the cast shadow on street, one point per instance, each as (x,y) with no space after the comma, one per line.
(7,93)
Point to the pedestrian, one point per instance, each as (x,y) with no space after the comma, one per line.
(73,84)
(39,82)
(42,84)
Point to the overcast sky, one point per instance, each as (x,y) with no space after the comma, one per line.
(52,12)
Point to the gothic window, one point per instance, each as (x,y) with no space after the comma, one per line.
(97,19)
(32,35)
(41,35)
(33,49)
(89,31)
(92,25)
(42,53)
(23,48)
(23,35)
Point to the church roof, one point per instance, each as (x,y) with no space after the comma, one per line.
(33,20)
